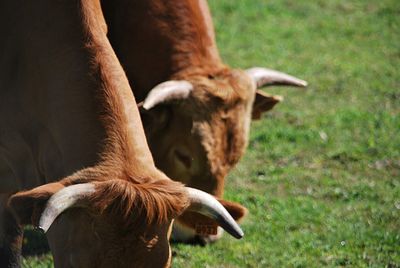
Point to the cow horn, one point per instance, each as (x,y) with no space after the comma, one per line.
(62,200)
(167,91)
(207,205)
(266,77)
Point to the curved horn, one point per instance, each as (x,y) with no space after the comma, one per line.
(167,91)
(62,200)
(207,205)
(266,77)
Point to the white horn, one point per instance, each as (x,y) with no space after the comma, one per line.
(207,205)
(266,77)
(62,200)
(167,91)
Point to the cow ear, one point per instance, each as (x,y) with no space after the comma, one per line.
(237,211)
(264,102)
(27,206)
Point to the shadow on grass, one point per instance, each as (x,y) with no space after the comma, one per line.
(35,243)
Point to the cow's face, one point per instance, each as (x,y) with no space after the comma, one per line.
(199,139)
(82,238)
(103,224)
(198,129)
(114,223)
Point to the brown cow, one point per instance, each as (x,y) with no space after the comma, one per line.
(70,129)
(197,111)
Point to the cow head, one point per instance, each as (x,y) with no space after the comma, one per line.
(113,223)
(197,127)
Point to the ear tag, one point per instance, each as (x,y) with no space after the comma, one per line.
(206,229)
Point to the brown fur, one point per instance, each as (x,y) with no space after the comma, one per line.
(155,202)
(133,199)
(158,197)
(165,38)
(200,139)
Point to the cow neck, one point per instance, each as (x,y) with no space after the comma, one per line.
(125,138)
(155,39)
(192,34)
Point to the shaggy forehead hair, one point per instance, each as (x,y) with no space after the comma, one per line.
(153,202)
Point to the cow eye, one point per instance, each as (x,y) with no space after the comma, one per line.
(158,117)
(186,160)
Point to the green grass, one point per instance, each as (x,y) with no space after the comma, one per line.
(321,176)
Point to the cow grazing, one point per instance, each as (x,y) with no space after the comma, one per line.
(196,110)
(70,132)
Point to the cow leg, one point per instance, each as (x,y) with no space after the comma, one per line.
(10,237)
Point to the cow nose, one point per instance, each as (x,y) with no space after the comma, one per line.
(185,159)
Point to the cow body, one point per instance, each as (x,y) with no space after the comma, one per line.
(61,92)
(70,127)
(198,132)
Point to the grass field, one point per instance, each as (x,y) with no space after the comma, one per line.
(321,176)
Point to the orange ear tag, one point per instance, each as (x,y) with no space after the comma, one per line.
(206,229)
